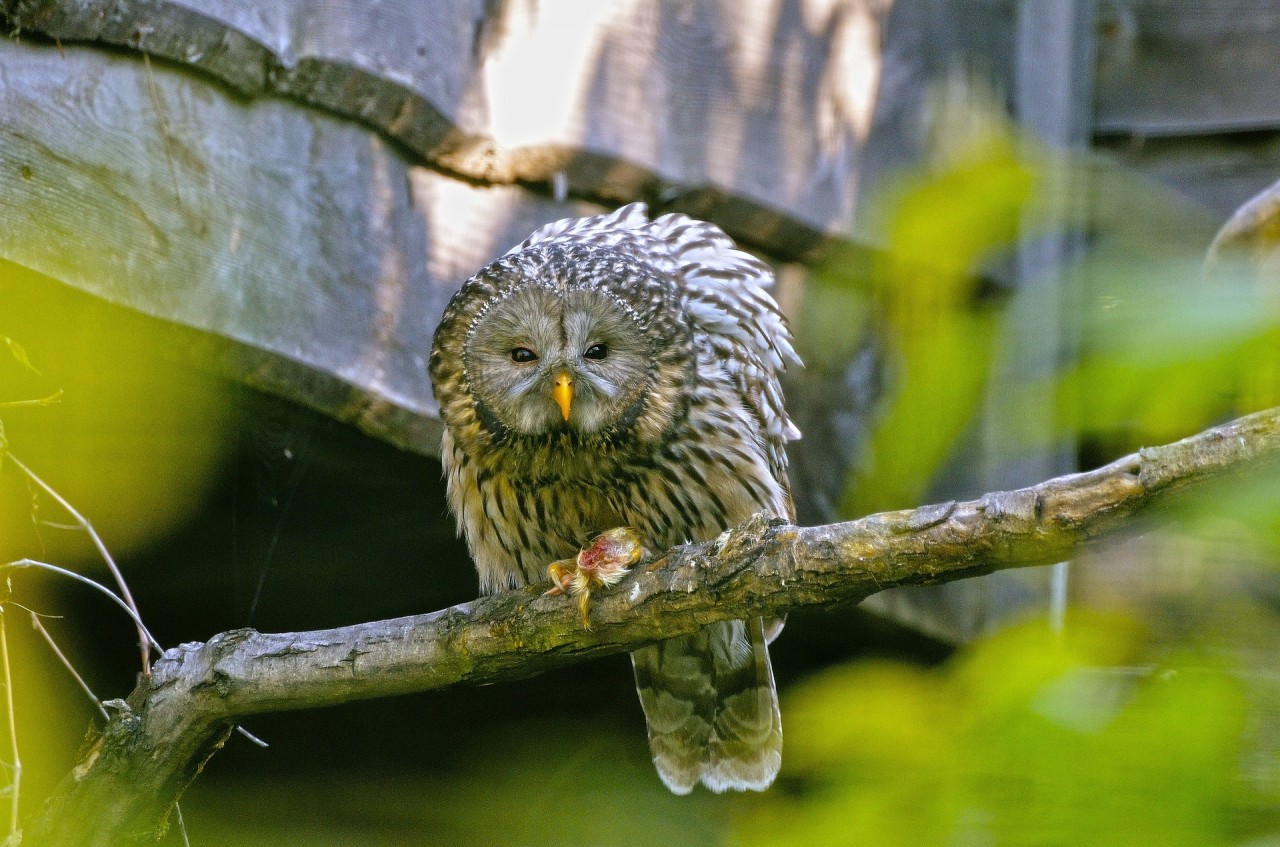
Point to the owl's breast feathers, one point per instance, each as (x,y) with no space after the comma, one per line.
(525,501)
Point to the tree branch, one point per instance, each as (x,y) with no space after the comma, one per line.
(175,720)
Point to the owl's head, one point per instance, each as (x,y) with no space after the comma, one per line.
(558,339)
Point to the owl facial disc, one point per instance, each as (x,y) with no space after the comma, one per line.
(542,360)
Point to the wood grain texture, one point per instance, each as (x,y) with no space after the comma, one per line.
(757,110)
(304,242)
(1186,67)
(321,252)
(174,721)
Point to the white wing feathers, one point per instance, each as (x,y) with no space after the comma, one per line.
(601,230)
(725,290)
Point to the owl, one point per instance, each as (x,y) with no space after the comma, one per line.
(620,372)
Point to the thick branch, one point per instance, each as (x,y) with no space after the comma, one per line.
(175,720)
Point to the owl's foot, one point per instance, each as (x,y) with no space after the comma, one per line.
(602,563)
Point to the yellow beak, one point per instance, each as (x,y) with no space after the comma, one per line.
(562,393)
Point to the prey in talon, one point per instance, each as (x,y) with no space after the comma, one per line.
(602,563)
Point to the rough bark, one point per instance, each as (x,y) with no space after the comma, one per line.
(124,788)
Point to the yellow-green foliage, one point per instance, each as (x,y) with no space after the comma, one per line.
(1030,737)
(1167,350)
(134,440)
(1143,342)
(941,227)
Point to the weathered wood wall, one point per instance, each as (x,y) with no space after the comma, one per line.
(755,109)
(774,118)
(307,238)
(297,236)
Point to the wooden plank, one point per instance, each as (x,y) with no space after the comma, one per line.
(927,43)
(757,110)
(1180,67)
(310,254)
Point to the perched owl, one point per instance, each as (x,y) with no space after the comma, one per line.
(613,371)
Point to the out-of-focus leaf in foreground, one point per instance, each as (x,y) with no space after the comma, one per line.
(558,783)
(1029,737)
(1167,352)
(1171,342)
(940,227)
(132,439)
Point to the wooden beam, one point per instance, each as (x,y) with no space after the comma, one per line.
(752,114)
(1187,67)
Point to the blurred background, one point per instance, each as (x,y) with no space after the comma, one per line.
(1015,240)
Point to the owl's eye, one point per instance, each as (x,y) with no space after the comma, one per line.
(523,355)
(596,351)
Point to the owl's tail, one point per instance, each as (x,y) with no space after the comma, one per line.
(712,708)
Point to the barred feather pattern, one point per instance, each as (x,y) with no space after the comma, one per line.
(681,436)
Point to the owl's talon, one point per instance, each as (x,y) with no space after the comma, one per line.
(561,574)
(603,562)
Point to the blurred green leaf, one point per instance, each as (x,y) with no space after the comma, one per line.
(1241,513)
(1167,353)
(1029,737)
(136,441)
(835,320)
(942,369)
(553,783)
(940,227)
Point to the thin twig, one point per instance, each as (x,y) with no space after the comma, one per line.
(66,663)
(133,616)
(144,638)
(42,401)
(253,739)
(182,824)
(15,786)
(34,494)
